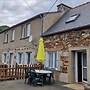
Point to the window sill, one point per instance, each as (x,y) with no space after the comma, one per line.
(24,38)
(5,42)
(12,40)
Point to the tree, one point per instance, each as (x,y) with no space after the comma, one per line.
(4,27)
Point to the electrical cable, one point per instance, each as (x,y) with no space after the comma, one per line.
(51,7)
(27,2)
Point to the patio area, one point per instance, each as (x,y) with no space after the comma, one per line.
(20,85)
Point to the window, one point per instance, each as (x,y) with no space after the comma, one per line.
(52,59)
(13,35)
(5,57)
(11,58)
(28,30)
(72,18)
(28,56)
(6,37)
(20,57)
(22,31)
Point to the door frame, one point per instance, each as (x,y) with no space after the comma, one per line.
(76,66)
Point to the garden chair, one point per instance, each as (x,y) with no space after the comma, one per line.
(37,78)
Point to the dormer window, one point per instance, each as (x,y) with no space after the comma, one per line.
(72,18)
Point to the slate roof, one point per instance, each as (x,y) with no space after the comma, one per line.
(82,21)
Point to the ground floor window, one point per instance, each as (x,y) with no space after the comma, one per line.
(11,58)
(5,57)
(52,59)
(20,58)
(28,58)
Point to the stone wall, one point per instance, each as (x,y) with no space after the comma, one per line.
(64,41)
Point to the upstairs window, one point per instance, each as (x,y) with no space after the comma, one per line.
(6,36)
(28,30)
(72,18)
(13,35)
(22,31)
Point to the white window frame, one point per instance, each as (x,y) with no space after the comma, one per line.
(20,61)
(23,31)
(11,61)
(30,58)
(13,35)
(28,29)
(6,36)
(3,58)
(54,60)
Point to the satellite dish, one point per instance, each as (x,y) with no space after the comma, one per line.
(30,38)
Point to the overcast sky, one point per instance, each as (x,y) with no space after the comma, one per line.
(15,11)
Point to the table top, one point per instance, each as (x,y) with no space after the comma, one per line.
(43,71)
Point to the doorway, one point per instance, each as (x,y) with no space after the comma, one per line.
(80,61)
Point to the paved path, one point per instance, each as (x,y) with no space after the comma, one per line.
(19,85)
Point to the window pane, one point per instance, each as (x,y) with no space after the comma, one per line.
(23,31)
(84,60)
(20,58)
(6,37)
(29,58)
(55,64)
(13,34)
(52,59)
(85,74)
(28,29)
(5,58)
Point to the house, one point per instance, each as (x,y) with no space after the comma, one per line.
(67,45)
(18,44)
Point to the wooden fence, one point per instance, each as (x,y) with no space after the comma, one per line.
(16,71)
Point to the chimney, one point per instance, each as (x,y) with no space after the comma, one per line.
(63,8)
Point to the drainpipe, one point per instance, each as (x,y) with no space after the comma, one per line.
(41,17)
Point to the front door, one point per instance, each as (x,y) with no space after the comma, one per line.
(80,66)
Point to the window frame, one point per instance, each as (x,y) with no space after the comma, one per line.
(23,31)
(54,61)
(28,30)
(72,18)
(6,37)
(13,35)
(20,58)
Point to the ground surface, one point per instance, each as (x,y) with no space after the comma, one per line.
(20,85)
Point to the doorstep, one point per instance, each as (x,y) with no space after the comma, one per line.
(75,86)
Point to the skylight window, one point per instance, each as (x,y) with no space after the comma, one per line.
(72,18)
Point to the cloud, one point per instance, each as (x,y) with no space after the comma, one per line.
(15,11)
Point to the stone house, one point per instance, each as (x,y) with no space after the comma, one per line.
(67,45)
(18,44)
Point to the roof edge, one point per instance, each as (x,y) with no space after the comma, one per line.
(77,28)
(30,19)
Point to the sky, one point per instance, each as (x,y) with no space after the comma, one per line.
(16,11)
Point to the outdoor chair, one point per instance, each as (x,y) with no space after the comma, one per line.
(37,78)
(27,74)
(50,77)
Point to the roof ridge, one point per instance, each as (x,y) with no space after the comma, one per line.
(81,5)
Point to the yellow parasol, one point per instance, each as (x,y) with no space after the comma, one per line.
(41,53)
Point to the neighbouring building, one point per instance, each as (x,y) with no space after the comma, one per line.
(67,45)
(18,44)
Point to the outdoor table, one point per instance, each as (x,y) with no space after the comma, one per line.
(44,74)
